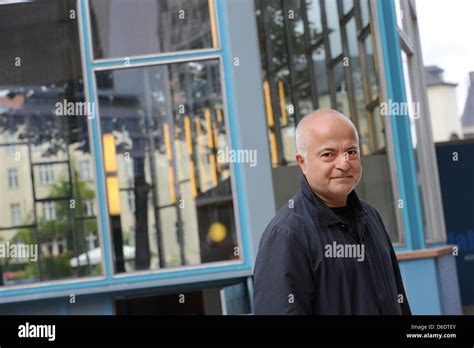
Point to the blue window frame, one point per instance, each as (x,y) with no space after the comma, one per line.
(402,142)
(89,66)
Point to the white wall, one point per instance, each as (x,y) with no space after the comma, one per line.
(444,111)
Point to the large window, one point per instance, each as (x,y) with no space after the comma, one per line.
(44,132)
(320,54)
(166,124)
(124,28)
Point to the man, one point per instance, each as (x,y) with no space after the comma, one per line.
(326,251)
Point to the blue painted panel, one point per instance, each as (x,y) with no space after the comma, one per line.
(421,285)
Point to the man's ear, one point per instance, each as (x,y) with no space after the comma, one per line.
(301,162)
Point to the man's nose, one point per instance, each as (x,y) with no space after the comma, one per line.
(342,162)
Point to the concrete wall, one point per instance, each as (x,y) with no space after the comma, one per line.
(444,112)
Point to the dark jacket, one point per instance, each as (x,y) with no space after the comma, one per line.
(295,274)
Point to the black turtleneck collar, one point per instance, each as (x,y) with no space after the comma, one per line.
(325,215)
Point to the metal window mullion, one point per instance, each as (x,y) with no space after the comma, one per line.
(291,63)
(348,69)
(329,72)
(406,42)
(365,79)
(309,57)
(374,52)
(94,132)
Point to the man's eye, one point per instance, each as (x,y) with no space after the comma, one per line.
(327,155)
(352,153)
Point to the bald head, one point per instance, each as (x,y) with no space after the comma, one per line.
(321,120)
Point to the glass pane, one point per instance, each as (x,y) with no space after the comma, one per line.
(342,96)
(379,130)
(174,208)
(333,28)
(364,12)
(304,100)
(287,120)
(399,13)
(371,73)
(347,5)
(296,28)
(44,143)
(314,20)
(123,28)
(357,82)
(262,39)
(275,31)
(319,63)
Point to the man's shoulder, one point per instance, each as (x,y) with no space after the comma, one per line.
(373,214)
(289,221)
(369,208)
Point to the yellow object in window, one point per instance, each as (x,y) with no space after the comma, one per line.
(110,156)
(113,196)
(217,232)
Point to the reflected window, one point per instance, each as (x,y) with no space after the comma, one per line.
(12,178)
(166,123)
(15,214)
(120,28)
(46,174)
(49,211)
(43,128)
(84,170)
(9,146)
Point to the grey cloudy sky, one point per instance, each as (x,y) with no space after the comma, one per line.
(447,39)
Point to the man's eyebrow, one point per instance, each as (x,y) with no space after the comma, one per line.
(325,149)
(353,147)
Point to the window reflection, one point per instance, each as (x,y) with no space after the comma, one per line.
(340,74)
(42,145)
(315,27)
(167,123)
(122,28)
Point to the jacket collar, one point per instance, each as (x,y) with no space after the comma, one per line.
(324,214)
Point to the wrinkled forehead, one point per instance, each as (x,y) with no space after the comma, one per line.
(334,132)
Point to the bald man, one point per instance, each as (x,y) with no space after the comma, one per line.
(327,251)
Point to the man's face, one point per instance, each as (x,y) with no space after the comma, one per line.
(332,162)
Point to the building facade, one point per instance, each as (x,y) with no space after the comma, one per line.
(443,104)
(114,122)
